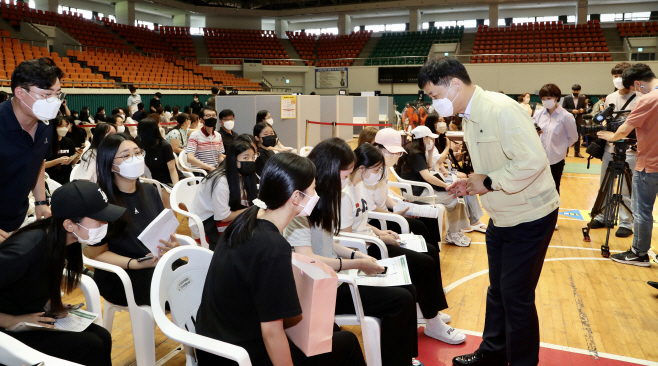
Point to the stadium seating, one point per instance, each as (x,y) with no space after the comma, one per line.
(638,29)
(236,44)
(330,48)
(541,42)
(179,38)
(219,76)
(143,38)
(414,46)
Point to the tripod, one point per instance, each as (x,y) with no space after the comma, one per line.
(610,194)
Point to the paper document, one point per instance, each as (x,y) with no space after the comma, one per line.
(397,274)
(76,321)
(417,210)
(413,242)
(160,228)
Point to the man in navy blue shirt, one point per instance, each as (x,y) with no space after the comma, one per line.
(25,138)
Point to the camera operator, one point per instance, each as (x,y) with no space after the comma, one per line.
(644,119)
(624,99)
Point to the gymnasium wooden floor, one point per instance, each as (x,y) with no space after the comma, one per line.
(586,304)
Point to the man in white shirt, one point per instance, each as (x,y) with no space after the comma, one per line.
(133,100)
(623,99)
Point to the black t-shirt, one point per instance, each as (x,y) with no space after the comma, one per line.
(155,103)
(196,107)
(156,160)
(247,285)
(263,156)
(228,138)
(23,280)
(77,135)
(22,157)
(62,173)
(137,116)
(413,173)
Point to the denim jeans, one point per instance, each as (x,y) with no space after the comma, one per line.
(625,217)
(645,188)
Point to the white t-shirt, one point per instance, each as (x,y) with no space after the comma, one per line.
(376,195)
(87,169)
(354,209)
(212,202)
(619,100)
(133,101)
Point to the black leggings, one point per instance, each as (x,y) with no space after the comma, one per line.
(426,227)
(92,347)
(556,172)
(396,307)
(345,351)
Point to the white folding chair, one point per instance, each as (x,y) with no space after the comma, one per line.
(304,151)
(74,172)
(182,289)
(182,170)
(370,326)
(369,240)
(383,217)
(428,193)
(92,297)
(141,317)
(182,159)
(14,352)
(184,192)
(156,183)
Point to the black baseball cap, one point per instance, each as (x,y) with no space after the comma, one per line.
(82,198)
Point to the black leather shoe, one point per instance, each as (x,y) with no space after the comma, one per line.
(478,358)
(650,283)
(596,225)
(623,232)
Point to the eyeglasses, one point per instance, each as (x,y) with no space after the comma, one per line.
(251,159)
(128,156)
(50,97)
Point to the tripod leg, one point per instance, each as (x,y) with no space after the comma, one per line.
(599,203)
(605,249)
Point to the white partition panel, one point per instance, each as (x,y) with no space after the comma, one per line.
(308,108)
(244,109)
(345,112)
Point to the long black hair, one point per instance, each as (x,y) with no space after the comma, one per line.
(260,116)
(431,121)
(148,131)
(99,134)
(84,114)
(180,119)
(368,156)
(229,169)
(330,157)
(59,256)
(105,179)
(406,162)
(283,174)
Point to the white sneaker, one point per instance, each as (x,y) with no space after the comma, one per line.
(450,336)
(445,317)
(555,226)
(458,239)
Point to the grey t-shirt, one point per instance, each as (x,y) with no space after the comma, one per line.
(300,234)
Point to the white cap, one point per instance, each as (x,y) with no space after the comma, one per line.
(423,131)
(390,139)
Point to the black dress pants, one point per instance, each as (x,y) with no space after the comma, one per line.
(556,172)
(396,307)
(92,347)
(516,256)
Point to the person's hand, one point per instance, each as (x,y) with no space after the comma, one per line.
(606,135)
(370,267)
(458,188)
(388,239)
(475,185)
(168,245)
(147,263)
(64,102)
(3,235)
(581,110)
(67,160)
(35,318)
(574,111)
(402,212)
(42,212)
(393,234)
(79,150)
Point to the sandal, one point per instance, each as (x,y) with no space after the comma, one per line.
(480,228)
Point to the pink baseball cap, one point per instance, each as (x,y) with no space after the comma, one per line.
(390,139)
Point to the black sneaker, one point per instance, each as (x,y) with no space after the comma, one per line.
(623,232)
(596,224)
(628,257)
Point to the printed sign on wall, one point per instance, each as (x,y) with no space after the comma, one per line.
(288,106)
(331,77)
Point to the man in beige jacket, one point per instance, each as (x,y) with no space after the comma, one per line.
(513,178)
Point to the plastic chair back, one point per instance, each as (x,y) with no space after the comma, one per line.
(184,193)
(304,151)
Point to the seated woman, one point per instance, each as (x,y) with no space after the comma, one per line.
(178,135)
(87,169)
(367,134)
(437,162)
(227,191)
(100,115)
(264,134)
(64,154)
(414,166)
(75,133)
(159,158)
(120,163)
(265,117)
(32,262)
(252,263)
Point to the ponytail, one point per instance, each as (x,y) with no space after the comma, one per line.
(242,228)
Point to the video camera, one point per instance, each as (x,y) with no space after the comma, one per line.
(612,123)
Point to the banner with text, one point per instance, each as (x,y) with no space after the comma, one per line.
(331,77)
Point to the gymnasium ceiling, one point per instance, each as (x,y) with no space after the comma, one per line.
(277,4)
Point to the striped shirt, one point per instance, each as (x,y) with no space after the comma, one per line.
(205,147)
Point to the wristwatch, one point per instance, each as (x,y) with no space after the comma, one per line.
(39,203)
(487,183)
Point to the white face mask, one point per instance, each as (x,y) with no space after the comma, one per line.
(619,84)
(196,99)
(441,127)
(43,109)
(526,100)
(373,179)
(308,208)
(343,183)
(548,104)
(444,106)
(229,125)
(390,159)
(95,235)
(133,169)
(270,121)
(121,129)
(62,131)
